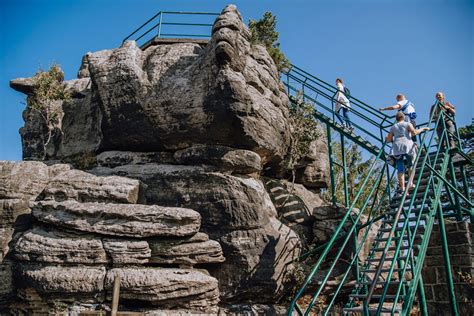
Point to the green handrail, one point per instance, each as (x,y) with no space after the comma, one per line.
(142,31)
(334,236)
(402,233)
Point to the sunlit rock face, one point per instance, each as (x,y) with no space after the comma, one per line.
(169,97)
(167,147)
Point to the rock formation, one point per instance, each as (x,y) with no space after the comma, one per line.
(168,145)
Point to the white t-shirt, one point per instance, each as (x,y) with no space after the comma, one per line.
(410,109)
(342,100)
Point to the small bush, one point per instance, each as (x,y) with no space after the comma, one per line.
(48,94)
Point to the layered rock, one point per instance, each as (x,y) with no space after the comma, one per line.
(171,288)
(119,219)
(173,136)
(225,159)
(67,283)
(55,246)
(123,251)
(237,212)
(195,250)
(85,187)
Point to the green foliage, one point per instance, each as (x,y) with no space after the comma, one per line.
(264,32)
(304,130)
(49,92)
(466,133)
(48,86)
(357,170)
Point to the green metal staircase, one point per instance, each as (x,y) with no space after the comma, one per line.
(389,279)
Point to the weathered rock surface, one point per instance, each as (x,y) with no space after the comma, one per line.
(314,172)
(169,97)
(66,282)
(260,257)
(119,219)
(85,187)
(22,180)
(223,158)
(295,205)
(169,288)
(123,251)
(237,212)
(40,245)
(113,159)
(6,283)
(14,215)
(225,202)
(185,252)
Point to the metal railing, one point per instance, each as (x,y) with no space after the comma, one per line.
(169,24)
(367,121)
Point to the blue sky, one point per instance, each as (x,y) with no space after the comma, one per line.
(380,47)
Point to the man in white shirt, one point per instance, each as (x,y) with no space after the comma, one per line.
(406,107)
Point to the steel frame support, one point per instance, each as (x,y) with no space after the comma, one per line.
(331,166)
(447,263)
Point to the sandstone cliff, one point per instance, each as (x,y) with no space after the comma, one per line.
(172,141)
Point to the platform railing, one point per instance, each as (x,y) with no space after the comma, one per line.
(168,24)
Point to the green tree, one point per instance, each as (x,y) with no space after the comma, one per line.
(264,32)
(357,170)
(466,133)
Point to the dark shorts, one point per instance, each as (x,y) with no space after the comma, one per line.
(400,162)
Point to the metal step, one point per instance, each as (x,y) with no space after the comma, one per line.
(385,239)
(414,210)
(385,230)
(372,310)
(386,270)
(381,282)
(375,296)
(392,248)
(386,259)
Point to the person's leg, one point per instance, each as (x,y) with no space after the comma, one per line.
(439,132)
(339,117)
(346,116)
(410,160)
(400,173)
(451,129)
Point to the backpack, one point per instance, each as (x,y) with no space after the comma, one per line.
(347,92)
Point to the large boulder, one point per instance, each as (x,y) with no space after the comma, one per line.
(168,97)
(119,219)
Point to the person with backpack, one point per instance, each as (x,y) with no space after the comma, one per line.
(342,102)
(403,148)
(407,108)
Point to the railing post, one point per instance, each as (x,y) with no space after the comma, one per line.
(421,297)
(159,24)
(447,262)
(456,197)
(344,171)
(331,165)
